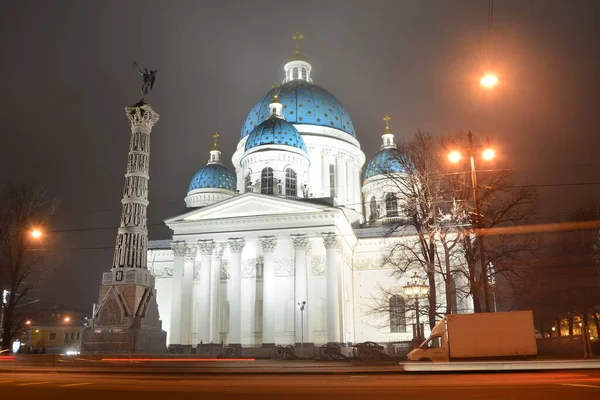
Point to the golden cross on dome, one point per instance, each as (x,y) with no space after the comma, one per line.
(216,143)
(297,38)
(387,124)
(275,85)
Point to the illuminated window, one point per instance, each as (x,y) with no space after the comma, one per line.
(266,181)
(295,73)
(391,205)
(304,73)
(290,183)
(397,314)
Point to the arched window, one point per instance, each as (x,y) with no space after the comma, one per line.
(290,183)
(248,183)
(397,314)
(295,73)
(372,209)
(266,181)
(304,73)
(391,205)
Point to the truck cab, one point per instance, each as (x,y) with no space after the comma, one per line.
(434,348)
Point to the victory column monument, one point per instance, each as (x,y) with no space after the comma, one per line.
(127,319)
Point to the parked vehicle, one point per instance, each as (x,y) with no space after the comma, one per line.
(500,335)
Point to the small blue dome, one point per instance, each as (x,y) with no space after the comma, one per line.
(303,103)
(213,176)
(386,161)
(275,131)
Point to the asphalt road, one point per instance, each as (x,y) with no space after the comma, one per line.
(513,386)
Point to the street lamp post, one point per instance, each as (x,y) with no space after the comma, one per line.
(487,154)
(301,306)
(414,289)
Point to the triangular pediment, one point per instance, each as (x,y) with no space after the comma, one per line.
(249,205)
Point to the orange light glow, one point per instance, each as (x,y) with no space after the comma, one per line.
(67,319)
(489,81)
(36,234)
(28,322)
(488,154)
(178,359)
(454,157)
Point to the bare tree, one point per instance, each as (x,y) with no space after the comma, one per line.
(439,219)
(23,209)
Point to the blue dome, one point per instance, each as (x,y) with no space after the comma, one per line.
(275,131)
(303,103)
(212,176)
(386,161)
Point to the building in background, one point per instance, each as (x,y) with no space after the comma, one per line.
(54,331)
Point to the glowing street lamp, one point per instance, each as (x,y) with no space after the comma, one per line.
(487,154)
(489,81)
(415,289)
(454,156)
(28,322)
(36,234)
(67,319)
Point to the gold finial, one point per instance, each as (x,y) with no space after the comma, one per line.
(387,124)
(216,143)
(297,38)
(275,85)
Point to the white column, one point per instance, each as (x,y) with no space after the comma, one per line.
(206,248)
(268,323)
(215,293)
(187,290)
(179,250)
(301,286)
(234,291)
(332,275)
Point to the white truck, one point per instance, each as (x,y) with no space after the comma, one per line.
(500,335)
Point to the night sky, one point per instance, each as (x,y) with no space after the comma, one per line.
(66,76)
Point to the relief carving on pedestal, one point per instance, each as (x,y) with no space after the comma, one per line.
(110,313)
(284,266)
(225,270)
(317,264)
(197,267)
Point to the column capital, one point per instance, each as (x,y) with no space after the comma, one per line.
(206,246)
(142,114)
(179,248)
(331,240)
(301,242)
(219,249)
(236,245)
(268,243)
(190,254)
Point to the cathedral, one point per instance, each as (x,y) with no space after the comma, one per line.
(288,247)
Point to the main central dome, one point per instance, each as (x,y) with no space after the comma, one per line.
(303,103)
